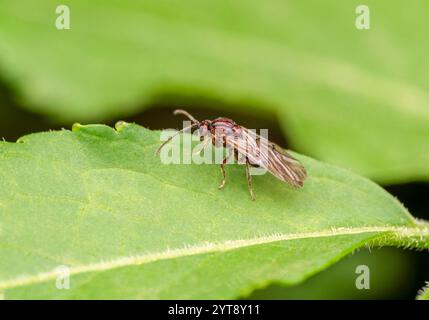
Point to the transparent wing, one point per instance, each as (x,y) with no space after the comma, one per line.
(268,155)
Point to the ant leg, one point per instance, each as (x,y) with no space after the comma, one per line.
(249,179)
(222,168)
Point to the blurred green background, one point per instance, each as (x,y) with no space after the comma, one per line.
(355,98)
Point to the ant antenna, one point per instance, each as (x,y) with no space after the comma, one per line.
(178,132)
(194,121)
(186,114)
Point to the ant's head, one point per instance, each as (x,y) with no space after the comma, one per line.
(204,126)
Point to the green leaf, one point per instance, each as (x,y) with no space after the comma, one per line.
(357,98)
(99,201)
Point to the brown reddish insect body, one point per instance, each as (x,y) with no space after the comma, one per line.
(256,151)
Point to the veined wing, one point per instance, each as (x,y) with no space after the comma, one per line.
(268,155)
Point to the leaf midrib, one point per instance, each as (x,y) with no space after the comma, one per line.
(209,247)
